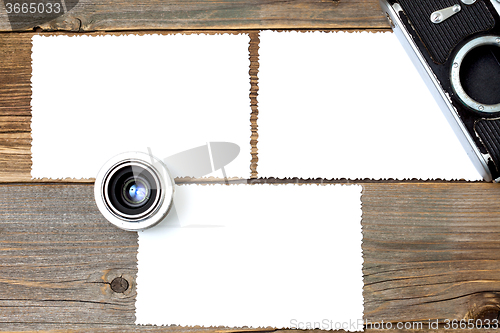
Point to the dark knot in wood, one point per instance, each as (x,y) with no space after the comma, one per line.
(484,306)
(486,314)
(119,285)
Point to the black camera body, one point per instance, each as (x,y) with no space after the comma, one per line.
(455,45)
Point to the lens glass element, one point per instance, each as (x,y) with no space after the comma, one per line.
(136,191)
(132,190)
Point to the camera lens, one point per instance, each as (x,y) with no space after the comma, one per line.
(129,191)
(134,191)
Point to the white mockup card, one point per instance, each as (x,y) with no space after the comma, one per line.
(283,256)
(96,97)
(350,105)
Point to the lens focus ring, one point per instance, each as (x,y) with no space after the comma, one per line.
(132,192)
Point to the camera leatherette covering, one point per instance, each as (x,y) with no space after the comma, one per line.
(440,39)
(488,131)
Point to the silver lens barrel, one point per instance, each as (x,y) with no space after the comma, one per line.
(134,191)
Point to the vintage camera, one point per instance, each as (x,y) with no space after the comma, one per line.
(134,191)
(455,45)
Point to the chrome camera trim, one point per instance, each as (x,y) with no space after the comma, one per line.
(440,96)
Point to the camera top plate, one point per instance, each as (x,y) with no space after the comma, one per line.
(440,39)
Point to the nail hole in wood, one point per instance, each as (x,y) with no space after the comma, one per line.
(119,285)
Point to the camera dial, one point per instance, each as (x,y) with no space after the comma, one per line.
(134,191)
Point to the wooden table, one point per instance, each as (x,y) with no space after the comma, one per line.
(430,248)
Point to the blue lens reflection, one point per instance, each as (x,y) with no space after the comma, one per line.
(137,192)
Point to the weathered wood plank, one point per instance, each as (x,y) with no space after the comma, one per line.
(15,74)
(58,258)
(430,252)
(102,15)
(175,329)
(15,151)
(254,93)
(15,113)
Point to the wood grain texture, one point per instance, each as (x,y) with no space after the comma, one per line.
(103,15)
(430,249)
(253,50)
(58,257)
(430,252)
(174,329)
(15,148)
(15,74)
(15,113)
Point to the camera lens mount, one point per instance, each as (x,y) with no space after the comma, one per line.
(134,191)
(478,50)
